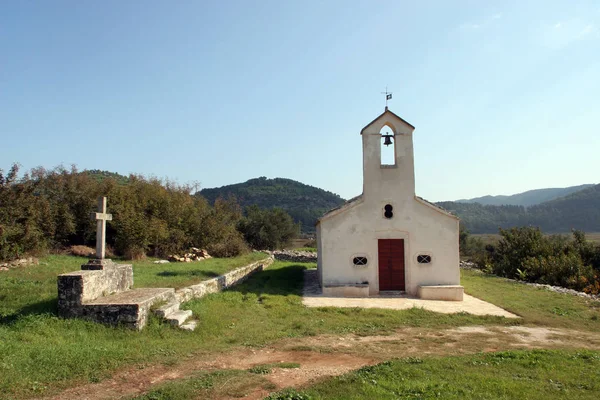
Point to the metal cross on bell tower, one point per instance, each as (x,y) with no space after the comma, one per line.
(388,96)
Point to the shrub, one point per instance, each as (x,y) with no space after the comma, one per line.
(230,246)
(268,229)
(48,209)
(525,254)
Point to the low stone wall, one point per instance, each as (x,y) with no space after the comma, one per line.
(22,262)
(557,289)
(292,255)
(221,282)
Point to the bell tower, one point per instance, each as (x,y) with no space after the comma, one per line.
(392,177)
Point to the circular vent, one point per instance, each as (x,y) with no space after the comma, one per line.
(423,259)
(359,261)
(388,211)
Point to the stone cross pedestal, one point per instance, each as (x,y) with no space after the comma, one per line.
(101,217)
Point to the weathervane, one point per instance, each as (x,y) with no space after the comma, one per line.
(388,96)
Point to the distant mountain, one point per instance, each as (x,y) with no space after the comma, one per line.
(526,199)
(576,209)
(579,210)
(303,202)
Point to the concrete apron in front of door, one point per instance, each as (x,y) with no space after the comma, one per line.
(313,297)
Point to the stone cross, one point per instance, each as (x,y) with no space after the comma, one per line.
(101,217)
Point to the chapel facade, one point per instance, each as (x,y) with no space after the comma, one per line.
(388,239)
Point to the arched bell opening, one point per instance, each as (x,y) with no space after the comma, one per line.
(388,146)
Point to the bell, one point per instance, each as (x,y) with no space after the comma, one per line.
(387,141)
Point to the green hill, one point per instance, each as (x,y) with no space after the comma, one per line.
(579,210)
(100,175)
(528,198)
(304,203)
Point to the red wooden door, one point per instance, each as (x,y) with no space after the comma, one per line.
(391,264)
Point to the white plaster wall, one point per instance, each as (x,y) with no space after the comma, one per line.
(355,229)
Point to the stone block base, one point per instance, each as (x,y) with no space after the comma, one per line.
(128,308)
(441,292)
(347,290)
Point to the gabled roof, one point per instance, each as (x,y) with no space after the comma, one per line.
(387,111)
(348,204)
(436,207)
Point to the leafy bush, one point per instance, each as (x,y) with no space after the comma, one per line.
(50,209)
(526,254)
(268,229)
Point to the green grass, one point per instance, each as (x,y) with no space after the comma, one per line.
(41,353)
(309,249)
(537,306)
(537,374)
(32,290)
(178,275)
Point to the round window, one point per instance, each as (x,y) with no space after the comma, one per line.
(424,259)
(388,211)
(358,261)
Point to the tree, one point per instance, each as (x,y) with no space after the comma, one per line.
(267,229)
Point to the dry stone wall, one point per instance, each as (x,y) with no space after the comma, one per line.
(292,255)
(221,282)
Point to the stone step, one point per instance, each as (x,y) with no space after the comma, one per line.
(189,326)
(129,308)
(178,317)
(167,309)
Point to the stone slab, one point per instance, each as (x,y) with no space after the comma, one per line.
(167,309)
(189,326)
(135,296)
(178,317)
(96,263)
(128,308)
(441,292)
(359,290)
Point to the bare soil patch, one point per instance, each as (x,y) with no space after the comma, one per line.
(329,355)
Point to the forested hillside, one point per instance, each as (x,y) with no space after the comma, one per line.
(579,210)
(303,202)
(528,198)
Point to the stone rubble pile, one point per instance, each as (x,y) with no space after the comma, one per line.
(22,262)
(468,265)
(556,289)
(292,255)
(194,254)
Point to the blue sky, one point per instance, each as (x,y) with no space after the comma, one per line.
(505,96)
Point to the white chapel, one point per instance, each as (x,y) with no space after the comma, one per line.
(388,239)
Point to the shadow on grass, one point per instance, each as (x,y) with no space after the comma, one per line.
(203,273)
(281,281)
(42,307)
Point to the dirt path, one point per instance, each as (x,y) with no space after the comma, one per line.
(329,355)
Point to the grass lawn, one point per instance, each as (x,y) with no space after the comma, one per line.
(41,353)
(178,275)
(536,374)
(537,306)
(32,290)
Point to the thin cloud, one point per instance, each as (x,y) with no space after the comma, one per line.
(564,33)
(480,24)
